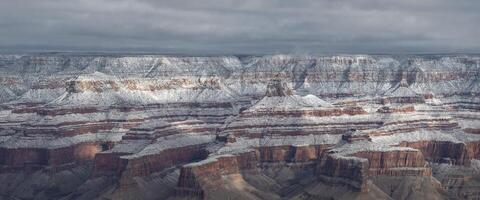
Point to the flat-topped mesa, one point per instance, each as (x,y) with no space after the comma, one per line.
(355,163)
(156,141)
(352,165)
(250,156)
(144,158)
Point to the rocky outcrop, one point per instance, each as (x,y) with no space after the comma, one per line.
(278,88)
(14,159)
(352,172)
(354,135)
(146,165)
(195,178)
(446,151)
(227,120)
(396,163)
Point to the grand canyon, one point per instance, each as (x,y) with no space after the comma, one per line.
(280,126)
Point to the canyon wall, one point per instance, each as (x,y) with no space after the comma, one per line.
(193,125)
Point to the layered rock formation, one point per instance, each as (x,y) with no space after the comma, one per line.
(250,127)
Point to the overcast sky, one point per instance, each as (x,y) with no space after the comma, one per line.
(242,26)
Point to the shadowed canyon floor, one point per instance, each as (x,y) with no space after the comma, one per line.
(239,127)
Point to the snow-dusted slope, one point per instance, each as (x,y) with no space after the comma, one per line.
(347,118)
(319,75)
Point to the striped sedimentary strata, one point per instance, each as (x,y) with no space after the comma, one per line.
(94,113)
(348,118)
(338,145)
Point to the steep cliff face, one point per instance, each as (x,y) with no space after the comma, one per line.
(250,127)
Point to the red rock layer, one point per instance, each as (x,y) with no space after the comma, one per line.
(291,153)
(195,178)
(395,163)
(145,165)
(445,151)
(354,172)
(113,163)
(108,164)
(37,157)
(345,171)
(302,113)
(29,158)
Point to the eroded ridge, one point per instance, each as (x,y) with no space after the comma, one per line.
(270,127)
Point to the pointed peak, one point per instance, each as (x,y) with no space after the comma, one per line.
(403,83)
(276,87)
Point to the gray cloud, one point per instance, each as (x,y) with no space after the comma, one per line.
(242,26)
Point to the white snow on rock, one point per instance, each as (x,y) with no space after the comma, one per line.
(186,88)
(171,142)
(456,136)
(313,100)
(6,94)
(95,76)
(348,149)
(245,144)
(50,142)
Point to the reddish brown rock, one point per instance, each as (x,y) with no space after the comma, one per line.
(194,178)
(22,158)
(108,164)
(321,112)
(396,163)
(291,153)
(145,165)
(445,151)
(352,172)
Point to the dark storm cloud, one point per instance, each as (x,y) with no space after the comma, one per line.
(242,26)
